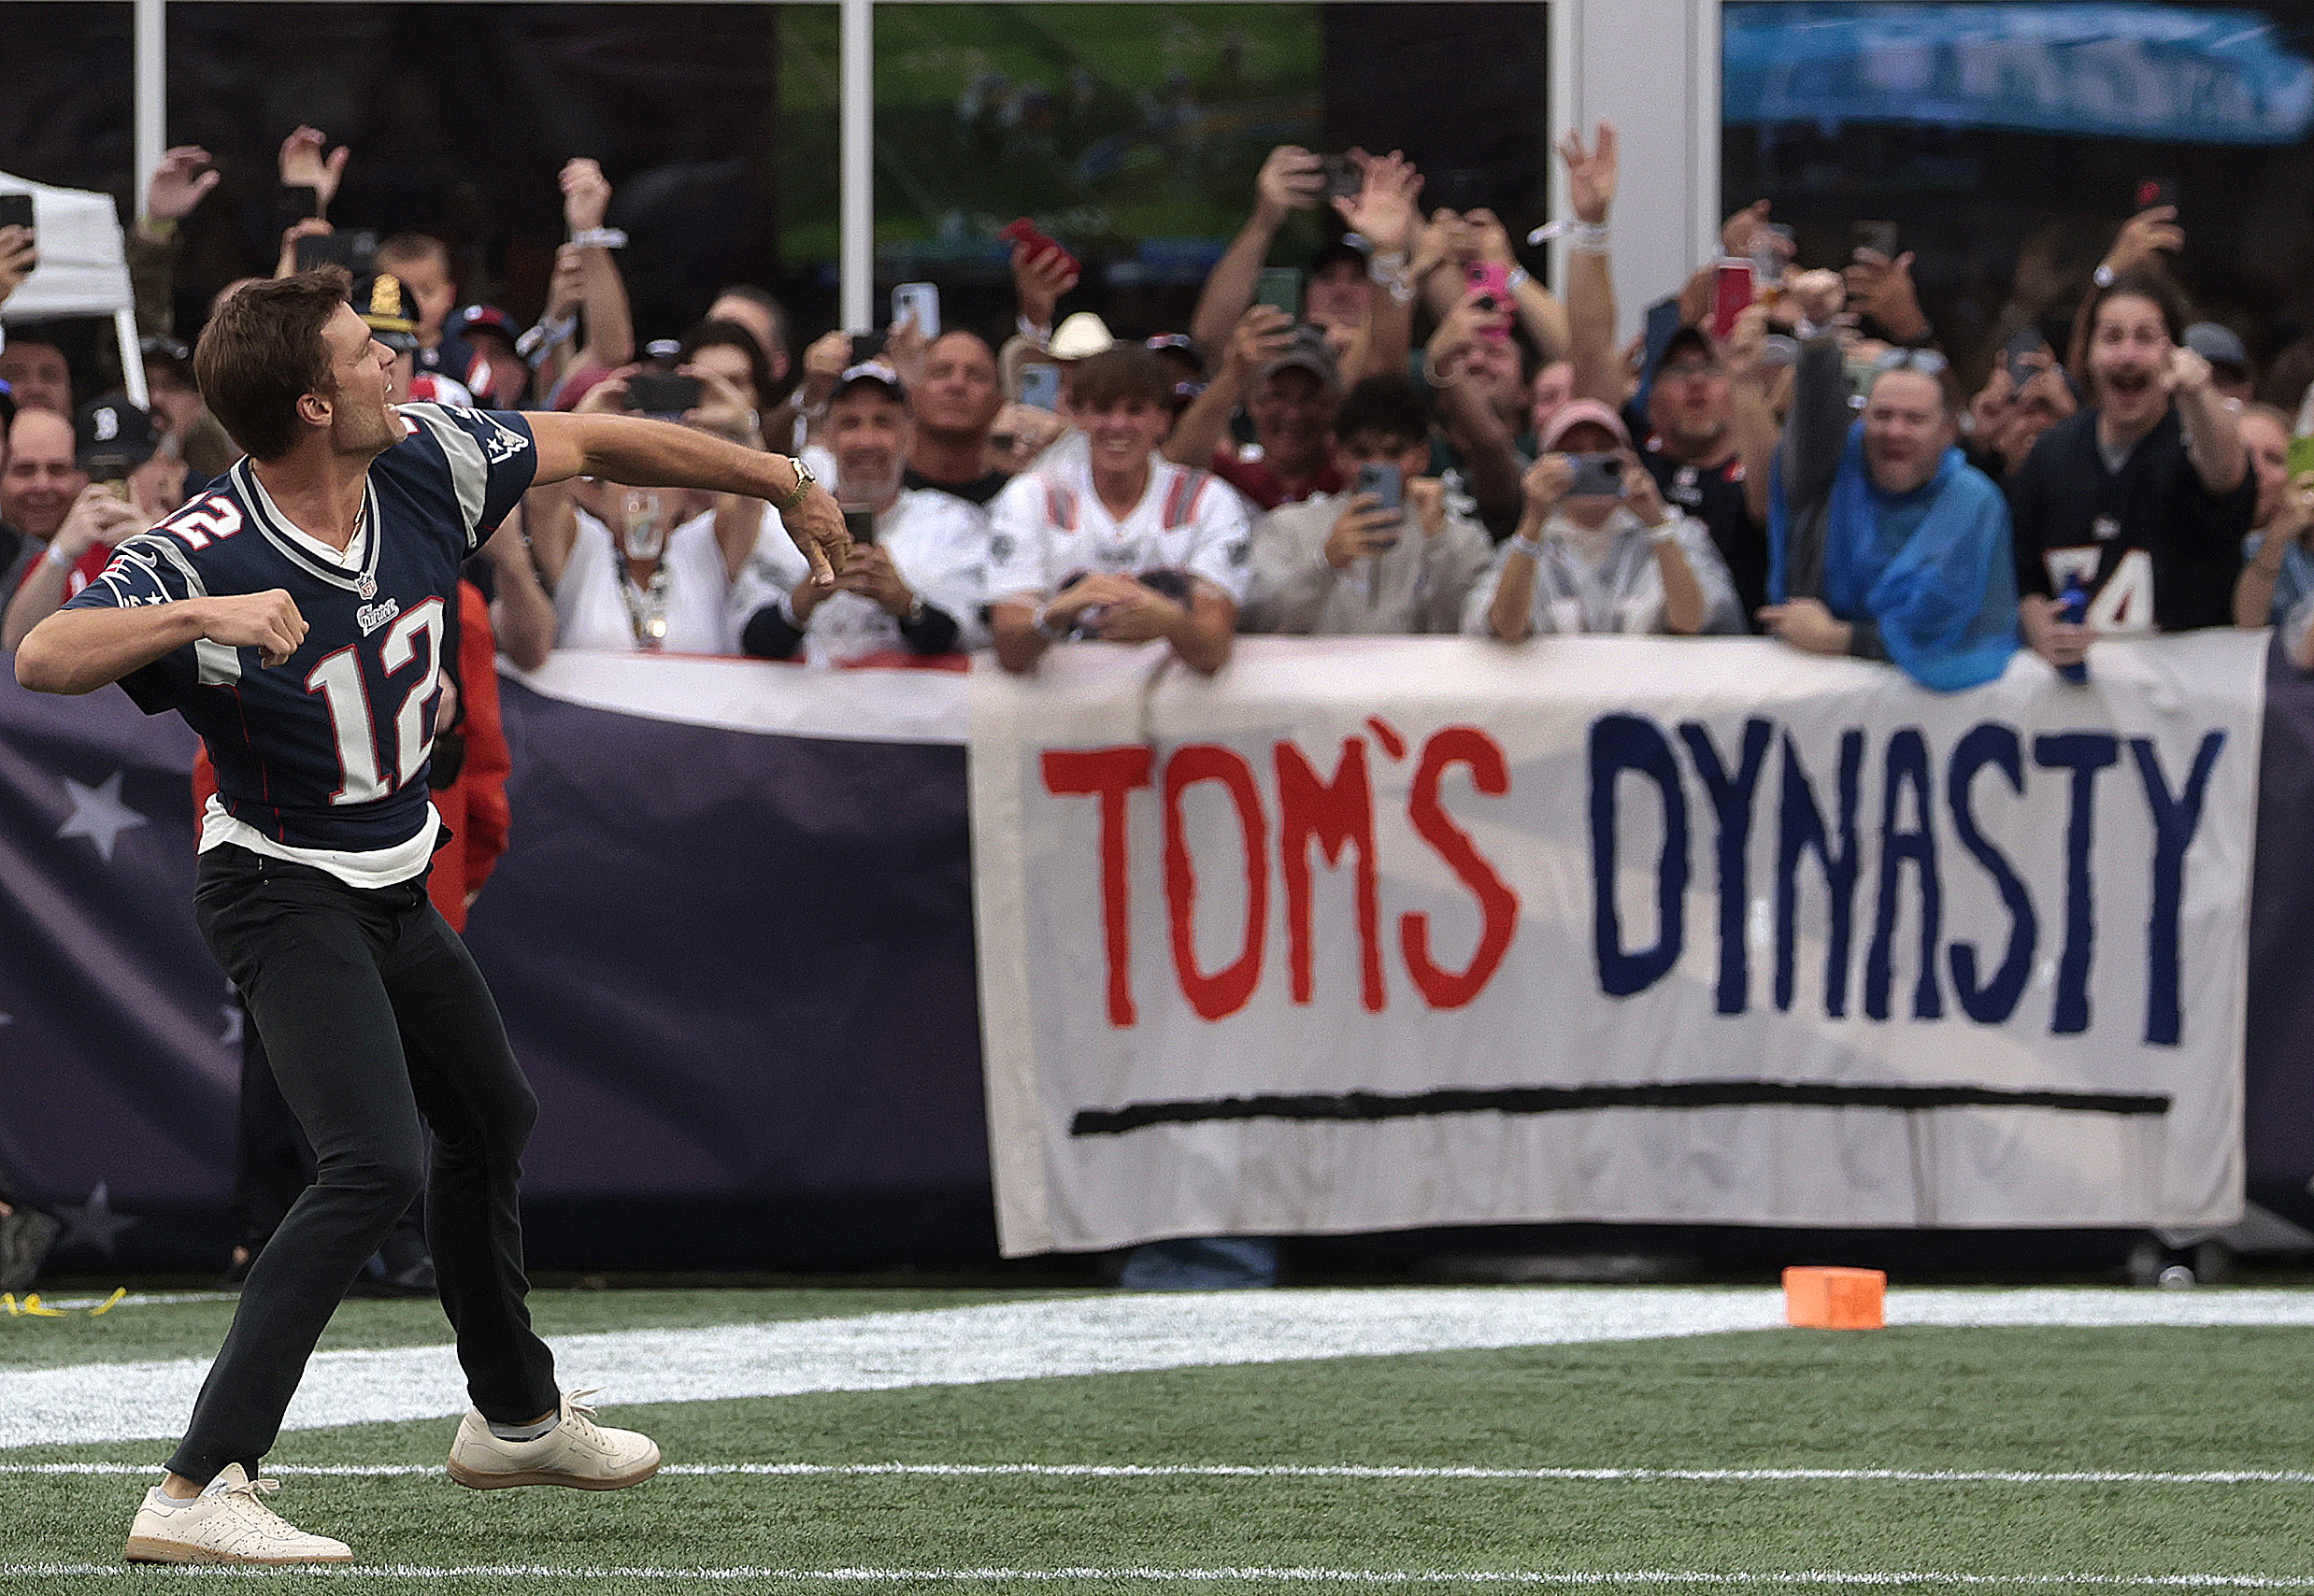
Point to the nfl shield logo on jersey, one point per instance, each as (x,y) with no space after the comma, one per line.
(365,585)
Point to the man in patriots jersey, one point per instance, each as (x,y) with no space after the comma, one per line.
(293,615)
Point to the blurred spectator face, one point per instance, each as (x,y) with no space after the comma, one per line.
(1124,434)
(510,374)
(1372,447)
(40,481)
(1688,403)
(426,279)
(1908,429)
(175,402)
(38,373)
(867,431)
(729,363)
(1339,295)
(2129,351)
(1492,369)
(2268,446)
(757,320)
(1293,414)
(959,391)
(1554,385)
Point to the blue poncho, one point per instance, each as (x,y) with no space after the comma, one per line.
(1930,570)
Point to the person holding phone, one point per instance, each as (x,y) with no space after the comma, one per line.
(1396,554)
(1597,548)
(1123,546)
(1884,542)
(2146,494)
(1287,379)
(915,579)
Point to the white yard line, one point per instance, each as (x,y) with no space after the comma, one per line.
(93,1403)
(1654,1577)
(1319,1471)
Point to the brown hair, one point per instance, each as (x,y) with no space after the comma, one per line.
(263,352)
(412,248)
(1115,375)
(2153,287)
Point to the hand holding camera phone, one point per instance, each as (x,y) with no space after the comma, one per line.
(1490,285)
(1280,289)
(16,212)
(918,303)
(1033,239)
(1597,477)
(1041,387)
(667,395)
(1386,485)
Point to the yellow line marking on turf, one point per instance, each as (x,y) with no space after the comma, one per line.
(1186,1575)
(1328,1471)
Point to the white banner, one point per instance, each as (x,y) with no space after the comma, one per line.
(1377,933)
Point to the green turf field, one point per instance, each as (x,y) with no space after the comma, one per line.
(1303,1474)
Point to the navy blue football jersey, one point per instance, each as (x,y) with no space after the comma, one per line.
(329,749)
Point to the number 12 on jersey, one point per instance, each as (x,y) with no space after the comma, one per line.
(365,773)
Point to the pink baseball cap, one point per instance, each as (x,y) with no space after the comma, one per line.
(1574,413)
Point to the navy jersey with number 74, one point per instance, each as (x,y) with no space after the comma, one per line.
(328,750)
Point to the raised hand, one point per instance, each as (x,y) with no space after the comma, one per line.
(1290,180)
(1591,174)
(1040,279)
(302,162)
(1383,211)
(2143,236)
(180,182)
(586,194)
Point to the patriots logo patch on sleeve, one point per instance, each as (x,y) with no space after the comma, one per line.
(500,442)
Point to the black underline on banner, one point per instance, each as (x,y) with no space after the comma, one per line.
(1368,1105)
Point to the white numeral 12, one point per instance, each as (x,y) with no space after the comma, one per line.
(339,679)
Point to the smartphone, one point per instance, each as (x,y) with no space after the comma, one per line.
(1033,239)
(16,212)
(921,303)
(2151,191)
(1877,236)
(2023,347)
(294,203)
(1280,288)
(357,252)
(1489,284)
(1343,180)
(867,347)
(1731,293)
(1040,386)
(1596,476)
(2300,457)
(1387,484)
(861,524)
(664,394)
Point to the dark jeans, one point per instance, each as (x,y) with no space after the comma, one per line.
(373,1014)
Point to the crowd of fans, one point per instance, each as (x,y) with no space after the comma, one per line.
(1406,433)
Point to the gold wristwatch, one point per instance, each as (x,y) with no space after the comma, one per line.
(803,480)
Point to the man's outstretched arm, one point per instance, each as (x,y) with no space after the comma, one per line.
(80,651)
(639,452)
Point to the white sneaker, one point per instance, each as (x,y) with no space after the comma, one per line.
(225,1523)
(577,1452)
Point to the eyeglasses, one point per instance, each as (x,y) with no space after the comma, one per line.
(1688,368)
(1928,363)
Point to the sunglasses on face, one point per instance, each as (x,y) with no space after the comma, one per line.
(1928,363)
